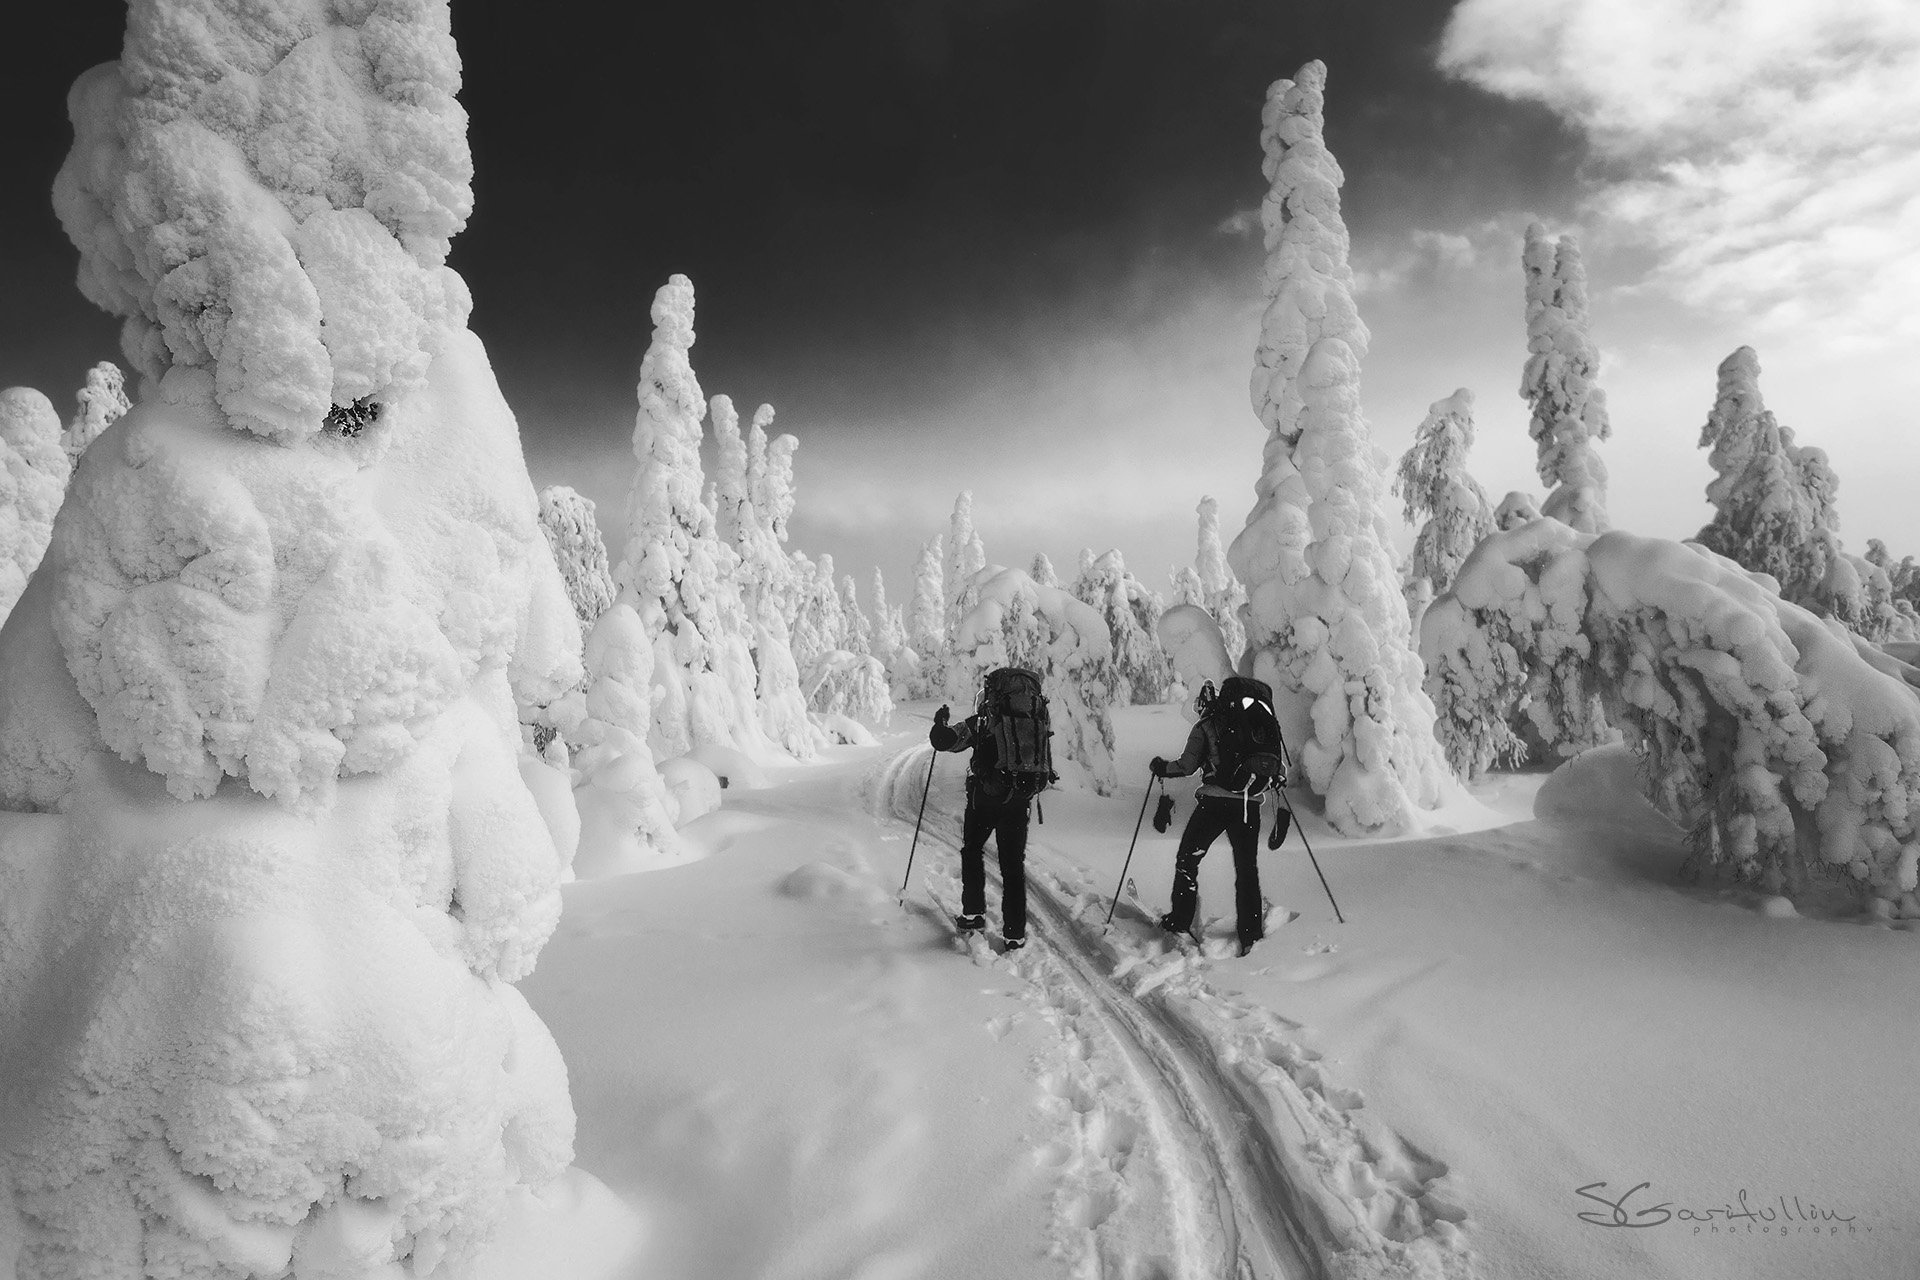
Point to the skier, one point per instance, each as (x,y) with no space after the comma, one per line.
(1012,763)
(1237,745)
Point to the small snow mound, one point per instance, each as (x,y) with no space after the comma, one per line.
(823,882)
(847,731)
(694,787)
(1602,784)
(736,769)
(1779,907)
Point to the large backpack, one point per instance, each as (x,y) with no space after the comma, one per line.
(1252,756)
(1013,712)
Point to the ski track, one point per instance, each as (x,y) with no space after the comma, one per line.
(1196,1140)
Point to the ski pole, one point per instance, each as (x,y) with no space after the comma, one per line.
(932,758)
(1301,828)
(1298,826)
(1131,843)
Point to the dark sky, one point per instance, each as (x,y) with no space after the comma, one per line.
(882,204)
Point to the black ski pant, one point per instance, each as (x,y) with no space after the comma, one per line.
(1005,819)
(1240,821)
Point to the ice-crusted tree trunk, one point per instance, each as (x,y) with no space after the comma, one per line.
(269,843)
(1224,596)
(567,519)
(103,402)
(1434,481)
(1569,410)
(33,482)
(1326,622)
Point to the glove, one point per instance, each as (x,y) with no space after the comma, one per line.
(1158,767)
(941,716)
(1281,821)
(1163,813)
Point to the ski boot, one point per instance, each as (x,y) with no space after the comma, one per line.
(1014,944)
(969,924)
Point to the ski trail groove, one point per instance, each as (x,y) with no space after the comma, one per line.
(1258,1168)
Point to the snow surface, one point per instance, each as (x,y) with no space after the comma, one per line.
(782,1072)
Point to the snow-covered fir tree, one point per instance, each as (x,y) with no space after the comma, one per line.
(1776,509)
(1517,508)
(859,632)
(1130,612)
(1224,596)
(966,557)
(1569,410)
(679,576)
(103,401)
(1187,587)
(33,481)
(1328,625)
(567,518)
(1434,481)
(626,811)
(1768,732)
(1043,572)
(285,861)
(927,623)
(1017,622)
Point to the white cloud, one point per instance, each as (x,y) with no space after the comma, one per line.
(1767,151)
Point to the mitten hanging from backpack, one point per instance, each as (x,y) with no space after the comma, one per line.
(1163,813)
(1281,821)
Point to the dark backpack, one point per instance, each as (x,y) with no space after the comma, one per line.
(1013,712)
(1252,756)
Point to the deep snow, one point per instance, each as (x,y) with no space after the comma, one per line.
(780,1071)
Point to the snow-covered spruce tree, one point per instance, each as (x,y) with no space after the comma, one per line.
(966,557)
(1517,508)
(1327,623)
(1187,587)
(1767,731)
(1043,572)
(1225,597)
(889,635)
(626,811)
(567,518)
(927,631)
(681,579)
(1776,509)
(33,482)
(1017,622)
(1434,481)
(103,402)
(859,627)
(1569,411)
(1130,612)
(269,849)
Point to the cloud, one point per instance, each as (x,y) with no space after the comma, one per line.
(1767,152)
(1419,259)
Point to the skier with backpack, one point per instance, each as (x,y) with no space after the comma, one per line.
(1012,763)
(1237,747)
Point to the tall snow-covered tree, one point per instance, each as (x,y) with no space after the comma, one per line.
(1434,481)
(1187,587)
(1043,572)
(284,863)
(1569,410)
(33,481)
(927,622)
(676,572)
(567,518)
(1130,612)
(1224,597)
(103,401)
(966,557)
(1328,625)
(1017,622)
(859,631)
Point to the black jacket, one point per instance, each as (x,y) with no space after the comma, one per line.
(983,771)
